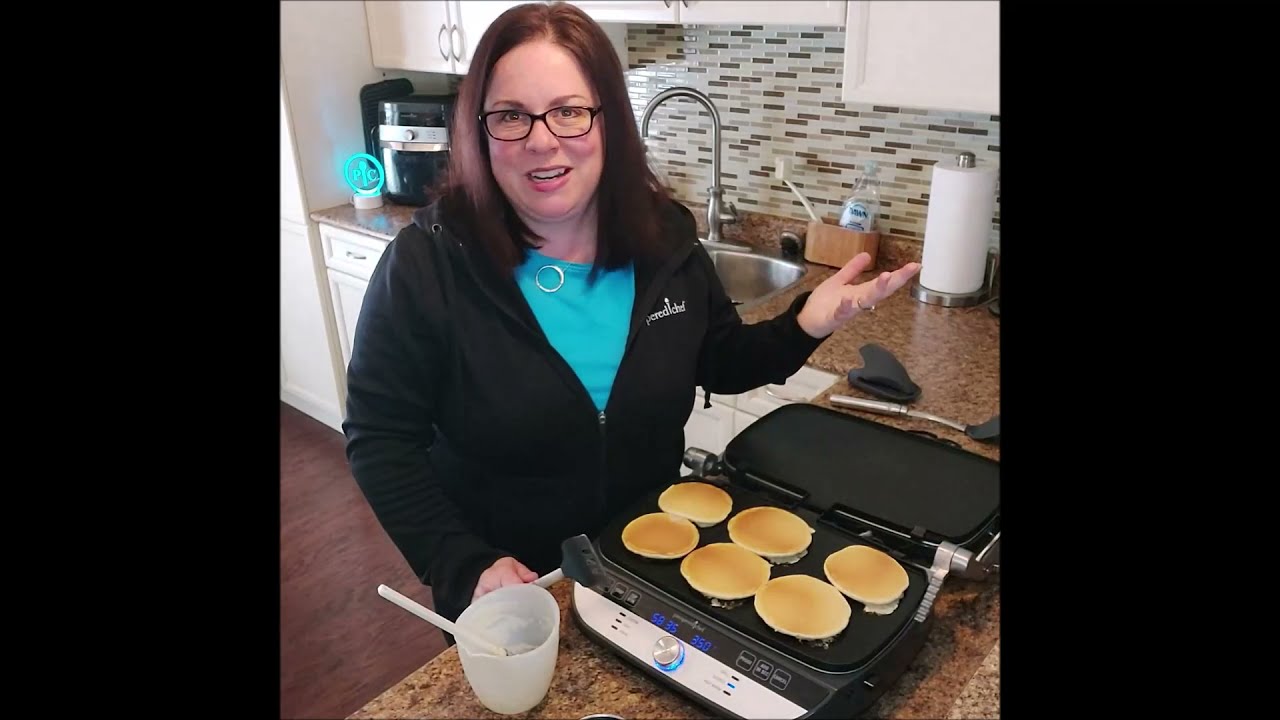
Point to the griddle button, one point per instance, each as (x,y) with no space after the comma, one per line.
(780,679)
(618,591)
(763,669)
(746,660)
(632,598)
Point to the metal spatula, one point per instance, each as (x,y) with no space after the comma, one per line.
(988,432)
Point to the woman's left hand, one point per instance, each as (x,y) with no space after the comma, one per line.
(836,301)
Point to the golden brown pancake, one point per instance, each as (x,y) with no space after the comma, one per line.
(700,502)
(660,535)
(803,606)
(773,533)
(870,576)
(725,571)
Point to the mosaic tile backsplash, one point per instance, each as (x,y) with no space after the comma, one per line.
(778,93)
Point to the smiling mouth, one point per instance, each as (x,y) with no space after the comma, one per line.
(548,174)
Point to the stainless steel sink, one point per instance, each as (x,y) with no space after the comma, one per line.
(751,276)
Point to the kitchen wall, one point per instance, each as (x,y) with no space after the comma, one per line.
(778,93)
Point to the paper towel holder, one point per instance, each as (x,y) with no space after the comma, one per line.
(977,297)
(923,294)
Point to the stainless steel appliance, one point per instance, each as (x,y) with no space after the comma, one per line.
(932,506)
(413,146)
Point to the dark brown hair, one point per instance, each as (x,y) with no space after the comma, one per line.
(628,195)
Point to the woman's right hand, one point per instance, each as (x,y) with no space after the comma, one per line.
(506,571)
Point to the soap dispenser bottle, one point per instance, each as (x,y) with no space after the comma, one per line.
(862,209)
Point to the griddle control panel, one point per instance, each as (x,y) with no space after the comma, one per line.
(629,618)
(763,670)
(623,594)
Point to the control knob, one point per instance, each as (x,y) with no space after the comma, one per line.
(668,652)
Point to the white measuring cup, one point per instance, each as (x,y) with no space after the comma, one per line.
(524,619)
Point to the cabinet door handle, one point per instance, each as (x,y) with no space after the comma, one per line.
(355,256)
(456,56)
(440,41)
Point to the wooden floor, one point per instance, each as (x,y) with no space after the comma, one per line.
(341,644)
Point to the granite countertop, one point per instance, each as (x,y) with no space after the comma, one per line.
(952,353)
(588,679)
(383,222)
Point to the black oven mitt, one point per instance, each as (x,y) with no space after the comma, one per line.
(883,376)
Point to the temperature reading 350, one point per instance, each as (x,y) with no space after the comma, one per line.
(701,643)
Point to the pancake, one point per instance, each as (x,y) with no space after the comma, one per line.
(660,536)
(702,503)
(725,571)
(803,606)
(868,575)
(777,535)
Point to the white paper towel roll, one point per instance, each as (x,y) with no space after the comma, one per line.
(957,227)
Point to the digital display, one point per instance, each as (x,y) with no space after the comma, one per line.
(661,621)
(672,627)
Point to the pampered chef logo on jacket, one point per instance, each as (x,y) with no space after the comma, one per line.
(668,308)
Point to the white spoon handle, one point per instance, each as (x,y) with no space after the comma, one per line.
(439,620)
(551,578)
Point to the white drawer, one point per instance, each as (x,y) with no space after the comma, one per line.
(351,252)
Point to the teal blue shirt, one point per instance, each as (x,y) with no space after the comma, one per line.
(586,324)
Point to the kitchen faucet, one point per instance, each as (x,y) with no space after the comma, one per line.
(716,216)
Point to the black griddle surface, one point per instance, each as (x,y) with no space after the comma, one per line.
(872,469)
(866,633)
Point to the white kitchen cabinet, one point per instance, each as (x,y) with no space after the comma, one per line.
(933,54)
(410,35)
(629,11)
(325,59)
(710,12)
(441,36)
(353,253)
(349,258)
(307,379)
(470,19)
(347,292)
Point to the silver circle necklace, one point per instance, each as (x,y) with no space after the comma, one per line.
(537,279)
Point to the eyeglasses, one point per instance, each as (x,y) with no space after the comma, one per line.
(564,122)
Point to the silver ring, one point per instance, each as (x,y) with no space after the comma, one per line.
(860,307)
(538,282)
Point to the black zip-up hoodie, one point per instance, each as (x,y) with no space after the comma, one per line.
(472,438)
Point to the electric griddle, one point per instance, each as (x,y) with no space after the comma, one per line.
(934,507)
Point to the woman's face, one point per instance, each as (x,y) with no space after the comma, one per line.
(537,77)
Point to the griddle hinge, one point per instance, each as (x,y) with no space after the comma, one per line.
(937,574)
(792,496)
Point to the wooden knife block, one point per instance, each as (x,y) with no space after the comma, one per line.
(833,245)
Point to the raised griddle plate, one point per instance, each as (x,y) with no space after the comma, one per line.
(866,633)
(872,470)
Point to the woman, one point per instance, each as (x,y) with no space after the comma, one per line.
(528,349)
